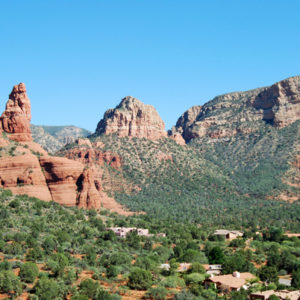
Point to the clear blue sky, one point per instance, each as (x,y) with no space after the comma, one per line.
(79,58)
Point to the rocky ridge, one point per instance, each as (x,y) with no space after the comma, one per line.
(242,112)
(53,138)
(26,168)
(243,143)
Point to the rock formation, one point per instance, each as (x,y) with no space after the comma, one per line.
(22,174)
(280,103)
(94,156)
(240,112)
(188,118)
(15,120)
(62,176)
(26,168)
(89,196)
(177,137)
(132,118)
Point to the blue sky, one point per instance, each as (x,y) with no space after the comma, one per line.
(79,58)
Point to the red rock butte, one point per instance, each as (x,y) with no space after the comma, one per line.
(132,118)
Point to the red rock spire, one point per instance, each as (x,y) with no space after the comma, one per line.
(15,120)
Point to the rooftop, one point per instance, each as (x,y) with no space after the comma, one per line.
(232,281)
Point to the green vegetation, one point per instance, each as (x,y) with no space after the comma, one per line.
(28,272)
(61,252)
(232,183)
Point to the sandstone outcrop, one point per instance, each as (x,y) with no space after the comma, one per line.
(187,118)
(23,175)
(94,156)
(241,112)
(26,168)
(132,118)
(89,196)
(15,120)
(280,103)
(62,176)
(177,137)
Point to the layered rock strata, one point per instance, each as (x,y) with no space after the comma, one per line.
(132,118)
(26,168)
(15,120)
(22,174)
(240,112)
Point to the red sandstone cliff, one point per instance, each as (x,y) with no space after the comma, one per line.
(26,168)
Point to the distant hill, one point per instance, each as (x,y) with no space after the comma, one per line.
(53,138)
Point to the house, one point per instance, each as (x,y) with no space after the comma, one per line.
(184,267)
(230,282)
(165,267)
(229,234)
(123,231)
(288,234)
(213,269)
(292,295)
(285,281)
(181,268)
(161,234)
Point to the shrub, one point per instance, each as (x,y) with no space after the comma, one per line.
(273,297)
(194,256)
(196,268)
(296,279)
(139,279)
(173,282)
(80,297)
(112,271)
(34,254)
(47,289)
(9,282)
(157,293)
(194,278)
(184,295)
(89,288)
(28,272)
(216,256)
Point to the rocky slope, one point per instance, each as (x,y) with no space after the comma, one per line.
(242,143)
(132,118)
(254,135)
(26,168)
(53,138)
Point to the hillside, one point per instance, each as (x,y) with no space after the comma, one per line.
(233,160)
(51,251)
(240,163)
(53,138)
(172,181)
